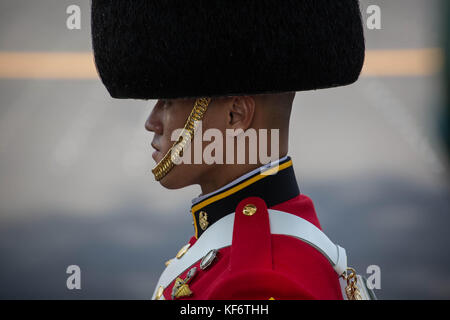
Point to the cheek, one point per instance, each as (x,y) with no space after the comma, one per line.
(215,120)
(170,126)
(172,122)
(181,176)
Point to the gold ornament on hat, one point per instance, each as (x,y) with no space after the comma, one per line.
(174,154)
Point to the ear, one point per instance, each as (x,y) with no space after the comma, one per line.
(241,112)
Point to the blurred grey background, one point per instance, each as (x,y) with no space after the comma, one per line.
(76,186)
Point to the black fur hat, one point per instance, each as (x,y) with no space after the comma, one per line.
(154,49)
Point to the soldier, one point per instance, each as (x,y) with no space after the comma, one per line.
(235,66)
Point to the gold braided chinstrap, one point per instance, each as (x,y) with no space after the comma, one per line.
(175,152)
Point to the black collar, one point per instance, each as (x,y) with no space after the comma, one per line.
(272,188)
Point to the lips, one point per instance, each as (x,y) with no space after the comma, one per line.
(156,153)
(155,156)
(155,146)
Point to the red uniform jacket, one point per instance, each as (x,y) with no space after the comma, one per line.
(257,264)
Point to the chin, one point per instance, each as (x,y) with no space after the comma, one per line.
(174,180)
(171,185)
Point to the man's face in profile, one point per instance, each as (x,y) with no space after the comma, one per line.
(169,115)
(166,116)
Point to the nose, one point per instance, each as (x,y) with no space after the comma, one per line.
(153,123)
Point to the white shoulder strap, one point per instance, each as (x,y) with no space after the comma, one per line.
(220,235)
(291,225)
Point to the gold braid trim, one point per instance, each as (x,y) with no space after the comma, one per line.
(176,151)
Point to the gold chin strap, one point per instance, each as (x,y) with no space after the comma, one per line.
(176,151)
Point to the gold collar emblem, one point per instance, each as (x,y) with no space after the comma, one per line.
(203,220)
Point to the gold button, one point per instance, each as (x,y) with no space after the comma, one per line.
(249,209)
(183,251)
(159,292)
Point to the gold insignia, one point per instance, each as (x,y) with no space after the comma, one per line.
(249,209)
(203,220)
(271,298)
(183,291)
(183,251)
(181,288)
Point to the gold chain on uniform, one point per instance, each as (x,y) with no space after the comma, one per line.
(351,290)
(176,151)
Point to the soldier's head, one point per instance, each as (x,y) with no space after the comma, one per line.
(252,118)
(248,57)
